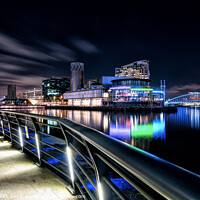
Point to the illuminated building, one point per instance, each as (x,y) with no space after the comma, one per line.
(77,76)
(95,97)
(138,69)
(96,86)
(131,84)
(53,88)
(12,91)
(90,82)
(131,90)
(35,93)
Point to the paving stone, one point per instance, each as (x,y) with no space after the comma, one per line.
(21,179)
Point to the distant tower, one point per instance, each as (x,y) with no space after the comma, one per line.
(12,91)
(77,76)
(162,87)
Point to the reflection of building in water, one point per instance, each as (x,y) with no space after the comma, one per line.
(188,117)
(138,130)
(92,119)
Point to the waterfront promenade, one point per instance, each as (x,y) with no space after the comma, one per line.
(20,178)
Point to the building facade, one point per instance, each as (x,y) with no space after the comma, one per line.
(12,91)
(135,91)
(77,76)
(138,69)
(131,90)
(53,88)
(35,93)
(89,98)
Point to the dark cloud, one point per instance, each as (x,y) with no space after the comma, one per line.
(58,51)
(178,90)
(84,45)
(9,67)
(39,39)
(27,64)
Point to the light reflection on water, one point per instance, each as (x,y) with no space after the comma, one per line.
(174,137)
(136,129)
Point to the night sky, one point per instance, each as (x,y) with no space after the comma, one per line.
(39,39)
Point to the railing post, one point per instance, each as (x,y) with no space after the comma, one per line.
(9,126)
(2,125)
(21,134)
(70,161)
(101,169)
(38,141)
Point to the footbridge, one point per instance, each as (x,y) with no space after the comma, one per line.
(92,164)
(190,99)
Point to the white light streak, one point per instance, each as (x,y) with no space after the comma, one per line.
(69,155)
(21,137)
(37,144)
(100,191)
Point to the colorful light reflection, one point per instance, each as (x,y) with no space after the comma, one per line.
(138,128)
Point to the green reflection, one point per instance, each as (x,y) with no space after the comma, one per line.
(142,131)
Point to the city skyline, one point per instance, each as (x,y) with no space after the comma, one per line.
(39,40)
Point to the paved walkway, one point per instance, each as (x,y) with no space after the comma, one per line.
(21,179)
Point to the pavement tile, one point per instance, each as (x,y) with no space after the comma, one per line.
(21,179)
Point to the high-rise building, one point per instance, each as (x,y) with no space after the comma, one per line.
(53,88)
(77,76)
(12,91)
(138,69)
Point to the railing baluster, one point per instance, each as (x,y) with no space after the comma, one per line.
(21,135)
(70,160)
(2,126)
(37,141)
(9,126)
(101,169)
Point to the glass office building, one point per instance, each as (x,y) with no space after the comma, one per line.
(54,88)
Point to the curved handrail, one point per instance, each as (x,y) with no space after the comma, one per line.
(169,180)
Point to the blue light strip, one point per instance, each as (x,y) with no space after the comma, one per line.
(158,91)
(120,87)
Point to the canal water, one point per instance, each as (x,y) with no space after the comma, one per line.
(174,137)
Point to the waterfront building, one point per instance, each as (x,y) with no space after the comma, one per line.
(138,69)
(135,91)
(11,91)
(95,97)
(131,90)
(35,93)
(53,88)
(130,85)
(158,97)
(77,76)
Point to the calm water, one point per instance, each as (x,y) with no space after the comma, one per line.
(174,137)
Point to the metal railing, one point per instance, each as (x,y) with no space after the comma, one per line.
(95,164)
